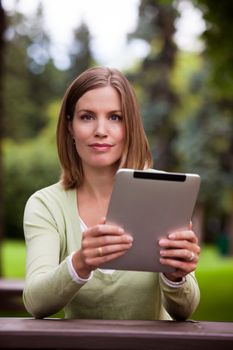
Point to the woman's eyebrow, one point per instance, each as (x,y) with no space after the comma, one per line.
(90,111)
(115,111)
(84,110)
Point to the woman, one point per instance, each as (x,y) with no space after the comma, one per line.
(99,130)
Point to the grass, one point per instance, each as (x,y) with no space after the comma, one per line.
(215,278)
(14,259)
(214,275)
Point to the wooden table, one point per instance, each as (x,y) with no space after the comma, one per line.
(27,333)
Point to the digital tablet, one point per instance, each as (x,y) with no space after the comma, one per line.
(149,205)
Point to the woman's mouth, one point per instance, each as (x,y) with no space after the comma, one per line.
(101,146)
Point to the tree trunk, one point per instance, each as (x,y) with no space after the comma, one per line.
(2,44)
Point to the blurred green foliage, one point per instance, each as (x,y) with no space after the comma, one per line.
(187,112)
(218,38)
(14,259)
(186,105)
(205,135)
(29,166)
(30,80)
(152,78)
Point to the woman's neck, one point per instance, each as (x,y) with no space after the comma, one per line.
(94,195)
(98,183)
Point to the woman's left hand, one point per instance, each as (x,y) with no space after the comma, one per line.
(180,250)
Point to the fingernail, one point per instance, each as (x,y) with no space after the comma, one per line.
(162,241)
(121,230)
(129,238)
(172,236)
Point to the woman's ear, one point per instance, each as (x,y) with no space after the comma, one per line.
(70,127)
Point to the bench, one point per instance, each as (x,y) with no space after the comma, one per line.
(28,333)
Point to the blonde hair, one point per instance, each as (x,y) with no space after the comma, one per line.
(136,153)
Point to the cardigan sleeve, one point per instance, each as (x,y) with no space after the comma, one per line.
(49,285)
(182,301)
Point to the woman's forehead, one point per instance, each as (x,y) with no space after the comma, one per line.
(104,97)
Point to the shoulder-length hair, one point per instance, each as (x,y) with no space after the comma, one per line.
(136,153)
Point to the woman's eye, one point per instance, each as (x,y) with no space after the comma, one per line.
(86,117)
(116,117)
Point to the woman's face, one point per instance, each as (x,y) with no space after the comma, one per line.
(98,128)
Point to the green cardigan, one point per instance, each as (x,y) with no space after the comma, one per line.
(52,232)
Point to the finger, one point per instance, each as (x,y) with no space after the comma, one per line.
(98,261)
(112,249)
(101,229)
(181,254)
(184,266)
(188,235)
(101,250)
(106,240)
(179,244)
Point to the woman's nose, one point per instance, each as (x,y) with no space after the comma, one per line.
(101,128)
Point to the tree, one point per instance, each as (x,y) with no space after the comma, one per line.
(203,147)
(205,142)
(80,54)
(34,163)
(31,80)
(192,128)
(218,39)
(2,47)
(156,27)
(218,93)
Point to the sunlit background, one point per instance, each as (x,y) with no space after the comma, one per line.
(109,22)
(178,56)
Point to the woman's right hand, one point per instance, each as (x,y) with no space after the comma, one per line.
(100,243)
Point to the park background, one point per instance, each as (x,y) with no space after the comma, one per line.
(185,93)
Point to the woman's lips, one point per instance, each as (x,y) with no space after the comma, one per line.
(101,146)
